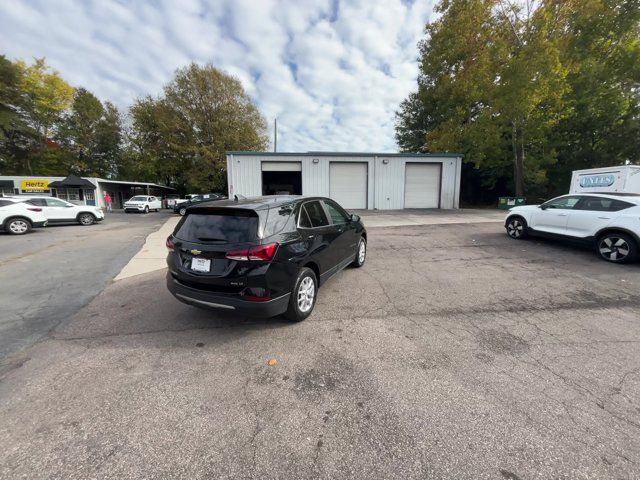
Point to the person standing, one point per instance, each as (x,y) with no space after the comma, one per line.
(107,201)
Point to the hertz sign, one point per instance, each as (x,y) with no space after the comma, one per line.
(34,186)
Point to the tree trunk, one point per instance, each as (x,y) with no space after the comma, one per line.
(518,160)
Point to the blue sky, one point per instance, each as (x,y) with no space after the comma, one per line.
(332,72)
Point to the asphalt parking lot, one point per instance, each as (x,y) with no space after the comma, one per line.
(455,352)
(49,274)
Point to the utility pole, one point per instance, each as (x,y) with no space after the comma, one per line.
(275,134)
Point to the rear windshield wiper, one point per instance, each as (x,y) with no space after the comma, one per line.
(211,239)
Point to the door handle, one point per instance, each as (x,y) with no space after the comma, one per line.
(310,237)
(562,214)
(604,218)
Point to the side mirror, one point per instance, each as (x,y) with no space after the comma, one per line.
(543,207)
(354,217)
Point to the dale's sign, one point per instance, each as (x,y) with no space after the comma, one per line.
(594,181)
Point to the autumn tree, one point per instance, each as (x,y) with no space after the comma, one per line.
(46,97)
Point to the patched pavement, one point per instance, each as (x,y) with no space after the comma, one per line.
(454,352)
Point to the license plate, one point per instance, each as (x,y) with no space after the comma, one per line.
(201,265)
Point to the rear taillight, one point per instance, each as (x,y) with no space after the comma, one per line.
(170,244)
(34,209)
(263,253)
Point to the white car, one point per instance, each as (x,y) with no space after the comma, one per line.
(142,203)
(18,217)
(609,222)
(60,211)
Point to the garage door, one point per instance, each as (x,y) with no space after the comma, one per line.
(348,184)
(422,185)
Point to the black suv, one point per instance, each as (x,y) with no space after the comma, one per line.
(264,256)
(181,207)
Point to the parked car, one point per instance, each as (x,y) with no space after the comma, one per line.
(171,200)
(609,222)
(181,207)
(142,203)
(60,211)
(264,256)
(18,217)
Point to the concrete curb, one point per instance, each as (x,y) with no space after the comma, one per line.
(152,256)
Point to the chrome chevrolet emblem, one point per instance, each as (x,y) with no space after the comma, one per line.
(196,252)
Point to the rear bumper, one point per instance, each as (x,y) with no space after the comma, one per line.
(39,224)
(213,301)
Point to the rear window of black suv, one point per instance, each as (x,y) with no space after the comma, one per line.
(218,226)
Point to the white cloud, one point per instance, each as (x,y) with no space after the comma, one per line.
(332,72)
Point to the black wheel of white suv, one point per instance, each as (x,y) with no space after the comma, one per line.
(516,228)
(361,253)
(303,296)
(86,219)
(617,247)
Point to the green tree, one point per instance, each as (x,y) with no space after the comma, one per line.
(527,90)
(92,135)
(183,135)
(15,133)
(603,101)
(490,86)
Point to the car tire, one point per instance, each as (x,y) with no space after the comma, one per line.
(182,211)
(617,247)
(516,228)
(302,298)
(361,253)
(146,209)
(86,219)
(18,226)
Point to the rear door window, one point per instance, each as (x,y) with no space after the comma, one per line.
(4,203)
(601,204)
(316,214)
(303,219)
(235,226)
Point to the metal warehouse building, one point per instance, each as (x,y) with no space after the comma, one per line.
(382,181)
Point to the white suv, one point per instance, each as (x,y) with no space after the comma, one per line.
(60,211)
(608,222)
(18,218)
(142,203)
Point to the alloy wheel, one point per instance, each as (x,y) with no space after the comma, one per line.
(306,294)
(515,228)
(86,219)
(362,251)
(18,227)
(614,249)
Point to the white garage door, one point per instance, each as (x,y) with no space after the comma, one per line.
(348,184)
(422,185)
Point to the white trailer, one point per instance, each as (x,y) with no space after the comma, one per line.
(622,179)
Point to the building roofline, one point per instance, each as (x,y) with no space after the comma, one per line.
(343,154)
(124,182)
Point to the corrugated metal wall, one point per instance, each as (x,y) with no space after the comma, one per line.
(386,181)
